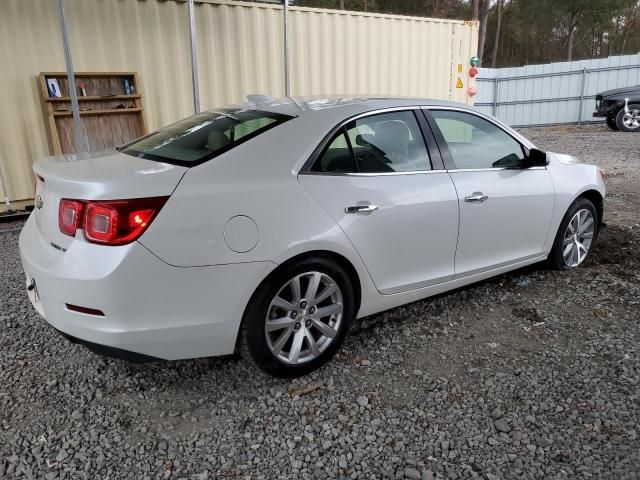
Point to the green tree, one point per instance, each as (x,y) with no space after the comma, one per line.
(585,15)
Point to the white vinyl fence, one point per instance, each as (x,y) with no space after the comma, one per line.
(554,93)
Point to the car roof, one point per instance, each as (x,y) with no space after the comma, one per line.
(346,105)
(323,112)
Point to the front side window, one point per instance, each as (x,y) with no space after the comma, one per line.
(477,143)
(383,143)
(203,136)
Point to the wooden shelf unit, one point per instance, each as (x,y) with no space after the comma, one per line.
(62,113)
(109,115)
(94,98)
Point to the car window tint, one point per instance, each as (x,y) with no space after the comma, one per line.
(389,142)
(337,158)
(203,136)
(477,143)
(247,128)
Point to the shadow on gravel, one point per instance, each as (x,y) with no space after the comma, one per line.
(616,246)
(177,368)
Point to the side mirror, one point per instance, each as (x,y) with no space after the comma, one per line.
(537,158)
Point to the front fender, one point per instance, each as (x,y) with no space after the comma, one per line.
(571,180)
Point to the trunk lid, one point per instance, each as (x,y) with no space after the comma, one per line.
(102,176)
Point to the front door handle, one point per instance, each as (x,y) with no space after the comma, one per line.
(476,197)
(361,209)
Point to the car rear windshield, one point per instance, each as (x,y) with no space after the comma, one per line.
(199,138)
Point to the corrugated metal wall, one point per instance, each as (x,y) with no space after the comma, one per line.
(551,93)
(240,51)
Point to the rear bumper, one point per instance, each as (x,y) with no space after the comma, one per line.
(150,308)
(112,352)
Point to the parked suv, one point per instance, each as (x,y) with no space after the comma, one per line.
(621,108)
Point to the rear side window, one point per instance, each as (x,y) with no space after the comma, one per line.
(383,143)
(199,138)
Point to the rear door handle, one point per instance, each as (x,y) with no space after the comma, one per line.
(361,209)
(476,197)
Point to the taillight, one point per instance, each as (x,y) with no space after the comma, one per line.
(70,216)
(116,222)
(101,223)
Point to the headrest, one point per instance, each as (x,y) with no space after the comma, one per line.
(217,140)
(364,139)
(395,129)
(392,136)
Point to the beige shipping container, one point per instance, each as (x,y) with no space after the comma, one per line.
(240,51)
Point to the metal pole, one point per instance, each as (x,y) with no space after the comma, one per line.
(81,143)
(584,81)
(194,57)
(495,97)
(287,79)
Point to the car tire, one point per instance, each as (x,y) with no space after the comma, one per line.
(611,123)
(575,237)
(275,326)
(629,122)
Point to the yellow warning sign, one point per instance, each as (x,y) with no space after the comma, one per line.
(459,83)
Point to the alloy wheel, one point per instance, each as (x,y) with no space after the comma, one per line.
(304,317)
(631,119)
(578,238)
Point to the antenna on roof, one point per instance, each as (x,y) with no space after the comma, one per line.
(257,99)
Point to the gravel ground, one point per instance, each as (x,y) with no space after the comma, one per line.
(534,374)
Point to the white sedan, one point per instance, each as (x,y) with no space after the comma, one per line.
(268,228)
